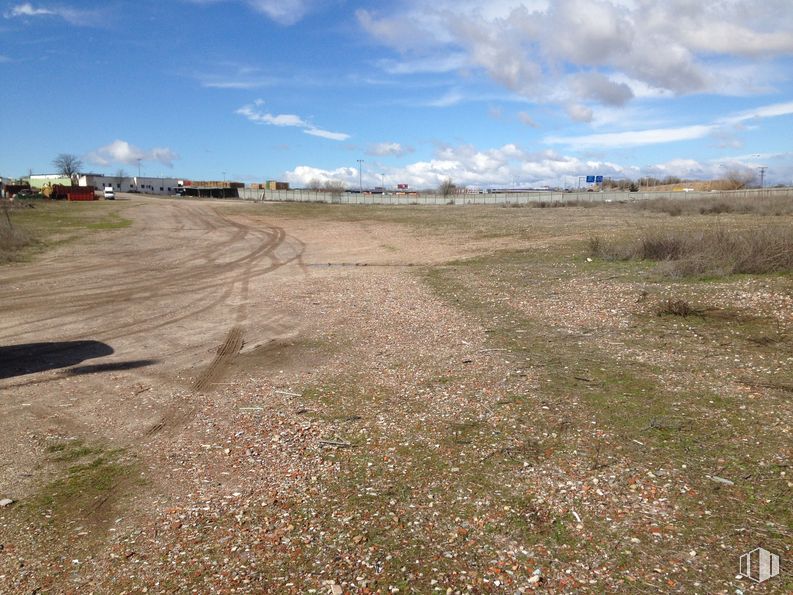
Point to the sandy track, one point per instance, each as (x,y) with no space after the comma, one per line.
(96,337)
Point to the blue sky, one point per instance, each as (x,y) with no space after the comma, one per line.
(485,93)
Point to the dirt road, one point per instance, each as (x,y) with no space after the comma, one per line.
(236,398)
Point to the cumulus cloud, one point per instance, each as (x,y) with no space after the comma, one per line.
(303,175)
(120,151)
(606,51)
(509,165)
(73,16)
(598,87)
(389,149)
(253,112)
(467,166)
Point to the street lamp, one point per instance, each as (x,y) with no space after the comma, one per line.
(360,179)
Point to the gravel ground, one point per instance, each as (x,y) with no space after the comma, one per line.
(416,410)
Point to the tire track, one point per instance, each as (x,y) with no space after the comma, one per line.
(225,355)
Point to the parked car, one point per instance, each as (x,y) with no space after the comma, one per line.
(28,193)
(110,193)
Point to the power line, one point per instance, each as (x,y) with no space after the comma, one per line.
(762,169)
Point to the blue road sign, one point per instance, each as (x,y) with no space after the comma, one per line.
(590,179)
(599,179)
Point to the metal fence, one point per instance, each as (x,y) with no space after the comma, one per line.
(493,198)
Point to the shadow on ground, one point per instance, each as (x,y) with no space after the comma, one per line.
(30,358)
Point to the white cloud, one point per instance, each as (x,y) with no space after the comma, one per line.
(389,149)
(253,113)
(632,138)
(27,10)
(467,166)
(635,138)
(603,51)
(598,87)
(71,15)
(120,151)
(580,113)
(509,165)
(526,119)
(283,12)
(429,64)
(765,111)
(303,175)
(327,134)
(448,99)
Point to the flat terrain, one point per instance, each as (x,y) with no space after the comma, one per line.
(205,396)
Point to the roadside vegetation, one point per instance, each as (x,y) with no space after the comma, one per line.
(30,226)
(706,253)
(739,205)
(12,237)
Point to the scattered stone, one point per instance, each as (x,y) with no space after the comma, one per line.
(6,502)
(721,480)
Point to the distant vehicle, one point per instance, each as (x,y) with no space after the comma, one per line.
(110,193)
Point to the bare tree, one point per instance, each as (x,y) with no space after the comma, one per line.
(315,184)
(67,164)
(334,186)
(120,176)
(738,179)
(447,188)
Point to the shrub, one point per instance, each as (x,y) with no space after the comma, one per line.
(742,205)
(11,240)
(716,208)
(707,253)
(675,307)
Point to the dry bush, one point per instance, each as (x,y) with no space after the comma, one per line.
(707,253)
(758,205)
(675,307)
(11,240)
(716,208)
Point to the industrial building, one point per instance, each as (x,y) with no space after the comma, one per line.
(143,185)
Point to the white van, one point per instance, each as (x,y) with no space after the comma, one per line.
(109,193)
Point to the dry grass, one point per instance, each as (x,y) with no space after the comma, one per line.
(676,307)
(766,206)
(707,253)
(549,204)
(12,239)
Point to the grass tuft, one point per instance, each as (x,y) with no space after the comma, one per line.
(706,253)
(12,239)
(676,307)
(740,205)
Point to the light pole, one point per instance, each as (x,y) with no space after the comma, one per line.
(762,169)
(137,180)
(360,179)
(382,182)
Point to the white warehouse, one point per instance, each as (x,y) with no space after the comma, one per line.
(144,185)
